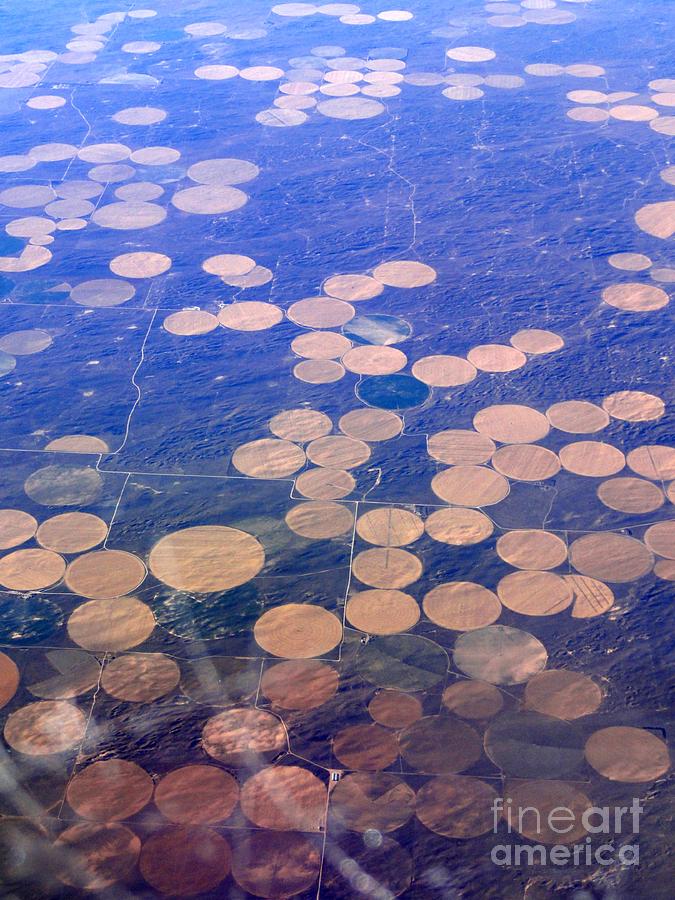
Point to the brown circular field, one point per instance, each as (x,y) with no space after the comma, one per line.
(110,790)
(285,798)
(197,795)
(299,683)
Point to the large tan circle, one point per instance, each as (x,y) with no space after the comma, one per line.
(395,709)
(352,287)
(470,54)
(460,447)
(205,29)
(631,495)
(660,538)
(541,802)
(390,526)
(611,557)
(129,215)
(31,570)
(103,574)
(629,262)
(325,483)
(144,264)
(226,171)
(321,345)
(338,452)
(591,597)
(298,631)
(634,406)
(496,358)
(299,683)
(300,425)
(16,527)
(654,461)
(470,486)
(111,625)
(190,322)
(635,297)
(261,73)
(444,371)
(536,341)
(241,734)
(545,70)
(250,315)
(206,558)
(77,443)
(197,795)
(371,424)
(456,807)
(143,261)
(526,462)
(473,699)
(155,156)
(27,196)
(365,747)
(209,199)
(102,292)
(320,519)
(109,790)
(285,798)
(658,219)
(593,459)
(462,606)
(459,527)
(268,458)
(533,593)
(228,264)
(630,755)
(318,371)
(562,694)
(25,342)
(630,112)
(71,532)
(362,801)
(511,423)
(404,273)
(40,729)
(386,567)
(531,549)
(382,611)
(321,312)
(577,417)
(374,360)
(140,677)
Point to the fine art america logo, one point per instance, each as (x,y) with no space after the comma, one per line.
(603,826)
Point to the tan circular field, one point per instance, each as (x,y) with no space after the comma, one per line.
(206,558)
(298,631)
(382,611)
